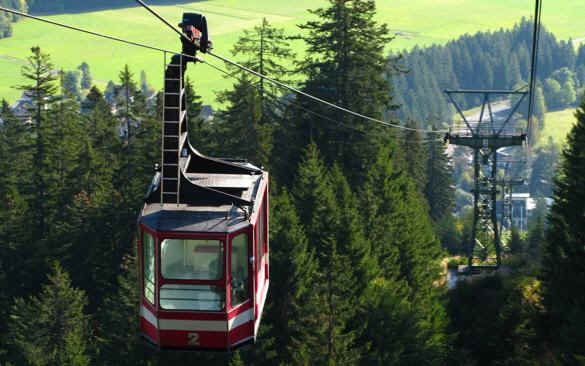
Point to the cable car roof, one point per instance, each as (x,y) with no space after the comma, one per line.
(183,218)
(206,210)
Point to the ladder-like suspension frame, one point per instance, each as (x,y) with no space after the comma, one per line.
(174,130)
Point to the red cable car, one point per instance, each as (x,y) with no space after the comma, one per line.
(203,241)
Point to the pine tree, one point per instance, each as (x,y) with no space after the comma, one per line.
(345,65)
(405,245)
(118,322)
(563,270)
(335,282)
(266,50)
(51,329)
(254,106)
(238,127)
(294,268)
(201,132)
(413,148)
(438,190)
(42,89)
(15,213)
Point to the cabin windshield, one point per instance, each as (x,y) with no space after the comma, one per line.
(192,259)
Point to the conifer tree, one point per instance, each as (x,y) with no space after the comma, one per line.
(254,107)
(266,49)
(415,151)
(294,267)
(239,130)
(405,245)
(15,213)
(345,65)
(42,90)
(51,328)
(563,271)
(200,132)
(336,283)
(438,190)
(118,321)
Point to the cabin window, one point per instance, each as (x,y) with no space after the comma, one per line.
(192,259)
(239,270)
(148,264)
(192,297)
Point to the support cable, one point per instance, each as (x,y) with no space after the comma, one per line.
(290,88)
(297,105)
(533,68)
(16,12)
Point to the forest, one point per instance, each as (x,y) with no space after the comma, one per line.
(497,60)
(361,215)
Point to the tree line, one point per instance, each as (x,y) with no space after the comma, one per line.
(357,210)
(498,60)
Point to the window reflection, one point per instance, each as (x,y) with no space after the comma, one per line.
(192,259)
(239,270)
(148,264)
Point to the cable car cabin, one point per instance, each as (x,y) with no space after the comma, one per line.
(204,266)
(203,240)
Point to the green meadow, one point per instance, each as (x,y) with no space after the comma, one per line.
(557,125)
(415,22)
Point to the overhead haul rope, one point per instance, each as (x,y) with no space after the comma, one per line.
(132,43)
(535,44)
(297,105)
(285,86)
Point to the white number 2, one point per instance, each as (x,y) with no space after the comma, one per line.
(193,339)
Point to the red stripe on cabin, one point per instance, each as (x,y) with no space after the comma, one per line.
(149,329)
(240,333)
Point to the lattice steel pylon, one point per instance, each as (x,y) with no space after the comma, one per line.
(485,137)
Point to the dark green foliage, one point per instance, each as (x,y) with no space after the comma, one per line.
(407,249)
(293,268)
(563,268)
(336,280)
(415,151)
(51,329)
(438,189)
(245,127)
(536,230)
(516,244)
(347,67)
(201,131)
(239,131)
(503,325)
(42,90)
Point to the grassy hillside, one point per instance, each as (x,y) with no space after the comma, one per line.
(557,125)
(419,22)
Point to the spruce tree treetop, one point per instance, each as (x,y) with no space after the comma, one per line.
(345,64)
(51,328)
